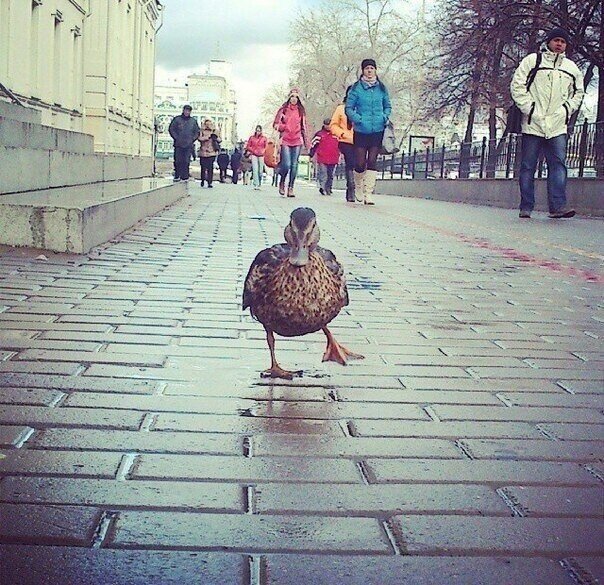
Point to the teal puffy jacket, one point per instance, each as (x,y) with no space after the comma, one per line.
(368,107)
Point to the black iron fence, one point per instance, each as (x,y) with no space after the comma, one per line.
(493,159)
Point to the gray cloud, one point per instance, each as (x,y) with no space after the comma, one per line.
(195,32)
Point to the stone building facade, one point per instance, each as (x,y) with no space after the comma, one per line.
(86,65)
(210,96)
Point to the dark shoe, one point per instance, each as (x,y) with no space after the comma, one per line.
(368,202)
(350,199)
(562,214)
(282,188)
(210,186)
(524,214)
(321,191)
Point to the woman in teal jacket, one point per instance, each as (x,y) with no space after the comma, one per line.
(368,108)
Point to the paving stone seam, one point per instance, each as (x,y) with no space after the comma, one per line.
(464,448)
(512,502)
(581,575)
(104,525)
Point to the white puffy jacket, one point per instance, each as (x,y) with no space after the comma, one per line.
(554,95)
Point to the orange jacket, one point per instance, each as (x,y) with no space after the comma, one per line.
(339,126)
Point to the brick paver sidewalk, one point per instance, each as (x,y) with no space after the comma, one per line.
(139,444)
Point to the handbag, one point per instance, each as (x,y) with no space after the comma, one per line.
(271,154)
(389,140)
(513,124)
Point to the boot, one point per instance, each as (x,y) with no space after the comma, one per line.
(282,187)
(359,185)
(370,178)
(290,192)
(350,186)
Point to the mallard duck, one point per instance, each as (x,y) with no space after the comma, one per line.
(297,288)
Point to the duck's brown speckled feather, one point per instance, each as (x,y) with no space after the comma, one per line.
(291,300)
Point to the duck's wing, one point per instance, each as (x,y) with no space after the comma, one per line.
(263,265)
(335,268)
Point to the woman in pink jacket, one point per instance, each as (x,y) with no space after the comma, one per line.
(290,122)
(256,145)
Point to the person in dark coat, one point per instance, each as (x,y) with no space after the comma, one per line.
(236,164)
(184,130)
(223,164)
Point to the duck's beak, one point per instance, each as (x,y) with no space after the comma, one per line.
(299,255)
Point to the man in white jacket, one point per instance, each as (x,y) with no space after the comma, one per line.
(547,105)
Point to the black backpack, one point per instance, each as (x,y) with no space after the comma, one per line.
(514,115)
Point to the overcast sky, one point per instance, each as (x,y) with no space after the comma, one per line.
(251,34)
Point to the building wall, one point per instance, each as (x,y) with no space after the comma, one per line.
(120,65)
(209,95)
(41,57)
(87,65)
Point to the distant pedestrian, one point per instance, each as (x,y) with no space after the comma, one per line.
(368,108)
(210,146)
(341,128)
(325,148)
(290,122)
(222,160)
(246,167)
(555,93)
(236,164)
(184,130)
(256,145)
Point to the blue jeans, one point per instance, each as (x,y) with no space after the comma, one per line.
(554,150)
(289,163)
(257,169)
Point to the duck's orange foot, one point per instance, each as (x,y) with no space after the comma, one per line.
(279,372)
(338,353)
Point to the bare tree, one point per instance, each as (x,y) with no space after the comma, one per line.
(329,42)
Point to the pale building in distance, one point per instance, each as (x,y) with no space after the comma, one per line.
(86,65)
(210,95)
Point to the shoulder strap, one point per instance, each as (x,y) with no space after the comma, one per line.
(533,73)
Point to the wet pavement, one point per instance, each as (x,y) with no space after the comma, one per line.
(139,444)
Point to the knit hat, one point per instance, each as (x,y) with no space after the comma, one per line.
(557,33)
(367,62)
(187,107)
(294,91)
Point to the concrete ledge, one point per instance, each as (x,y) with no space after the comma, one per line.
(26,169)
(76,219)
(18,134)
(117,166)
(585,195)
(19,113)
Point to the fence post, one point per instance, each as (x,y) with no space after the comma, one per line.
(392,166)
(413,163)
(442,162)
(582,149)
(427,163)
(508,157)
(483,149)
(402,164)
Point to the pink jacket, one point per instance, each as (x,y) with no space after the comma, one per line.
(291,126)
(256,144)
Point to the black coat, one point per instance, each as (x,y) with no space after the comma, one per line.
(236,160)
(184,131)
(223,160)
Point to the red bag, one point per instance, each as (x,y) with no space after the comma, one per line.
(271,154)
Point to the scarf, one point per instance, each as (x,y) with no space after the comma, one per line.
(369,83)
